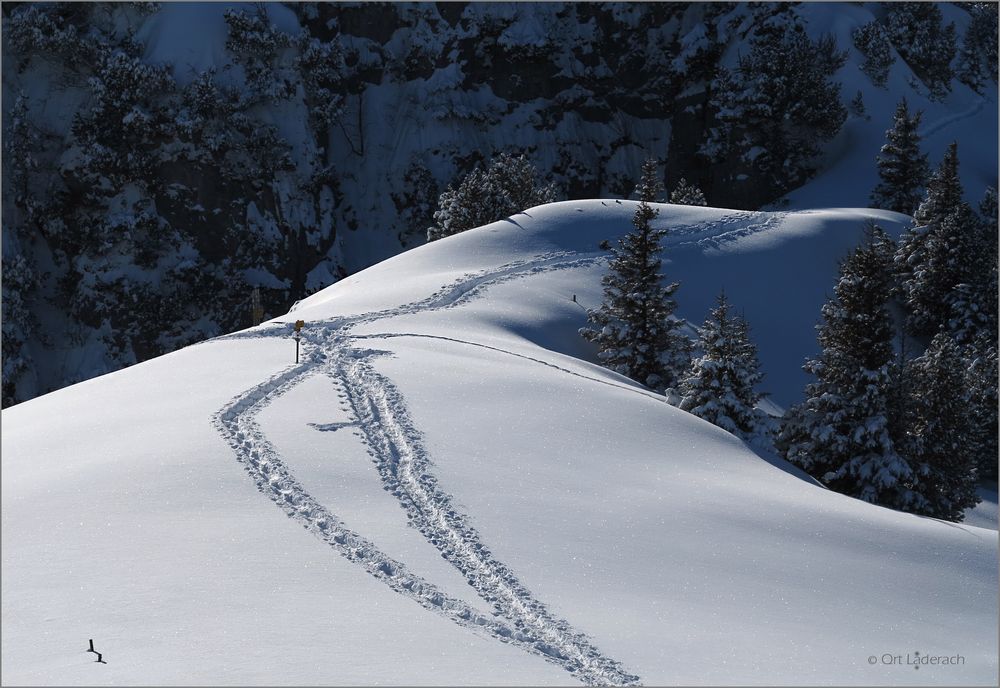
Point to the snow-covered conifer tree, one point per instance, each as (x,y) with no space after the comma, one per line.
(944,190)
(322,69)
(988,210)
(977,60)
(507,186)
(841,432)
(256,44)
(981,383)
(916,31)
(21,211)
(21,146)
(873,42)
(902,168)
(944,290)
(720,384)
(773,113)
(989,239)
(19,280)
(59,31)
(943,440)
(634,328)
(938,253)
(121,131)
(973,303)
(687,194)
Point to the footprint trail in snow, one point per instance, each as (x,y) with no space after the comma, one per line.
(380,413)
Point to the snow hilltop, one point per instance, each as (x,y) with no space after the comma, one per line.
(446,489)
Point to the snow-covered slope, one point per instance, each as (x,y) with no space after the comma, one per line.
(848,172)
(446,491)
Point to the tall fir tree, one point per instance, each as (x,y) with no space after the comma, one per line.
(974,327)
(841,433)
(939,254)
(634,328)
(257,44)
(989,267)
(944,190)
(944,291)
(973,303)
(902,168)
(720,384)
(981,382)
(322,69)
(942,447)
(988,210)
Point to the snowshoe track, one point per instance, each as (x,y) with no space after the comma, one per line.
(405,468)
(714,234)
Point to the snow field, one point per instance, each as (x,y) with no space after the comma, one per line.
(558,522)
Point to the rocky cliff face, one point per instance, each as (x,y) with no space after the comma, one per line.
(170,158)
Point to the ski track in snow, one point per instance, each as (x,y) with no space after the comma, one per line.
(404,466)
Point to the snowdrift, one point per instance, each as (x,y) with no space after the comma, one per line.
(447,490)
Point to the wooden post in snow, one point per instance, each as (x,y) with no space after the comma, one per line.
(299,324)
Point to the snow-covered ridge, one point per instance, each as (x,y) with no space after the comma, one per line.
(396,447)
(772,264)
(463,498)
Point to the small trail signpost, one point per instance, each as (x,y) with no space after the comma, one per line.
(299,324)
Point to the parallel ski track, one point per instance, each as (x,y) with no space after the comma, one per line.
(405,469)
